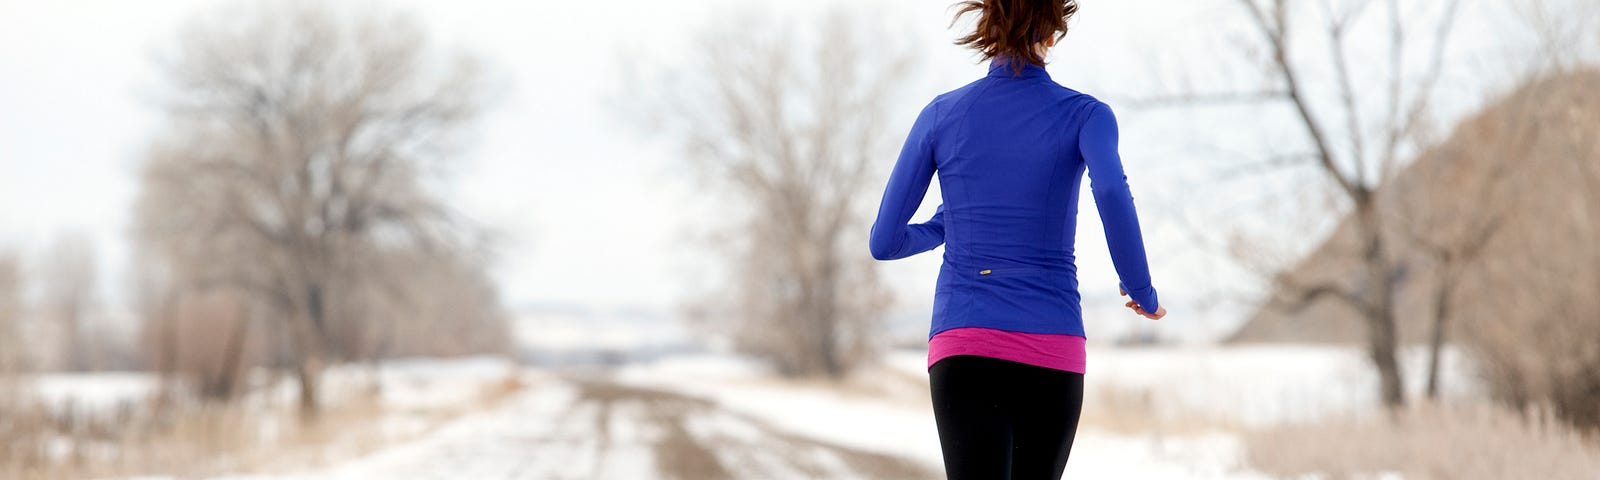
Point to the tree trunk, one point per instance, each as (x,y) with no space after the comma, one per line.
(1441,313)
(1382,335)
(231,371)
(308,368)
(833,365)
(167,331)
(1384,348)
(309,372)
(71,334)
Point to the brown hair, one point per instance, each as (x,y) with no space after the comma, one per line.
(1013,29)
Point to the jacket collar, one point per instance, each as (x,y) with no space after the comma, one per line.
(1001,67)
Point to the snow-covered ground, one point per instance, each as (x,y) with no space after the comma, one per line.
(895,419)
(1265,385)
(710,415)
(1250,386)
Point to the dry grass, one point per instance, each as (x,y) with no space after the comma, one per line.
(198,439)
(1429,442)
(182,440)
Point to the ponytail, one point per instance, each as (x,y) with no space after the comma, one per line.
(1013,29)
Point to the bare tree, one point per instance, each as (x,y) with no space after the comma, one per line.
(1450,256)
(299,146)
(68,278)
(1444,221)
(790,120)
(1516,179)
(1355,151)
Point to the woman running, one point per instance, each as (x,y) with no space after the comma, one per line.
(1006,348)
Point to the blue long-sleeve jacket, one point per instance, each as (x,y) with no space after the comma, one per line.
(1010,151)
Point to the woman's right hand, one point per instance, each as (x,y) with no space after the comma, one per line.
(1160,311)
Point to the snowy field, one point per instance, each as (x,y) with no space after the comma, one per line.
(1160,413)
(407,383)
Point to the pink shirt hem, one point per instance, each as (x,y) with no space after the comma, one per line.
(1048,350)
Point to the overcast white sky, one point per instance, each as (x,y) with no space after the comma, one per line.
(593,211)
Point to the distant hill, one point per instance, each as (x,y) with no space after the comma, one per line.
(1530,160)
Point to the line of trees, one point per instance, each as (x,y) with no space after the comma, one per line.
(55,319)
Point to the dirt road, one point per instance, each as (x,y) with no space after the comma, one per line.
(572,428)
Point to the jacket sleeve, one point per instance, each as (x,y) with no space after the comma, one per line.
(891,238)
(1112,197)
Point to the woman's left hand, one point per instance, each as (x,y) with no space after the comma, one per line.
(1160,311)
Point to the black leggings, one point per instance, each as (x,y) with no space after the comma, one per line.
(1000,419)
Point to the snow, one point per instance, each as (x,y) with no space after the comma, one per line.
(407,383)
(1253,385)
(1261,385)
(613,423)
(898,426)
(1246,385)
(92,392)
(487,439)
(433,383)
(1100,454)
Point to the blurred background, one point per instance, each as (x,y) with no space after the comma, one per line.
(494,239)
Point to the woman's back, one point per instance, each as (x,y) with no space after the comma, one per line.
(1010,151)
(1005,151)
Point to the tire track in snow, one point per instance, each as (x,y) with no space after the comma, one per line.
(695,439)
